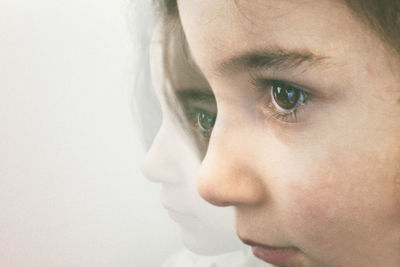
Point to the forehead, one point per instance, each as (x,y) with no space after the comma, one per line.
(217,30)
(171,61)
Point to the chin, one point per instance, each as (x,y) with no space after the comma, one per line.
(208,243)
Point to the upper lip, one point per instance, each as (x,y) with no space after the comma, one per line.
(256,244)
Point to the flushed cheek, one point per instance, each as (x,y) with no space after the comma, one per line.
(331,208)
(318,222)
(315,207)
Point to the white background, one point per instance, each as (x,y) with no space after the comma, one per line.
(71,193)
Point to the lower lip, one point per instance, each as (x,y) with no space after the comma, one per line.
(274,255)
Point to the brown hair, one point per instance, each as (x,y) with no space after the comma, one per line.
(172,35)
(382,16)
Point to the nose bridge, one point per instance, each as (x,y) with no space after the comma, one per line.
(161,163)
(228,174)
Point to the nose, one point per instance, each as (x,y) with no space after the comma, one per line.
(228,174)
(160,164)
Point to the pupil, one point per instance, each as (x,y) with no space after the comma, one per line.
(286,97)
(206,121)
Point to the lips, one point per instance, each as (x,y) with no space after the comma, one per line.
(186,221)
(176,210)
(179,216)
(270,254)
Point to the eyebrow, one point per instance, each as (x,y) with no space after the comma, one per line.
(194,95)
(269,59)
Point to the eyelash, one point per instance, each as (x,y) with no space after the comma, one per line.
(270,109)
(266,88)
(192,114)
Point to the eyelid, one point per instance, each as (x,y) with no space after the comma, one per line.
(261,84)
(266,102)
(195,96)
(305,83)
(191,113)
(302,100)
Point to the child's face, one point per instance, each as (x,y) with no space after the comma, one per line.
(173,162)
(306,144)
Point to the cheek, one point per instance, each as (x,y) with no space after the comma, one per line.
(339,201)
(394,159)
(316,203)
(319,210)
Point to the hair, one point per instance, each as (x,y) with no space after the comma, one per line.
(145,108)
(166,7)
(172,36)
(382,17)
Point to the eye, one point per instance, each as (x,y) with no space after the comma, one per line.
(280,100)
(286,98)
(205,121)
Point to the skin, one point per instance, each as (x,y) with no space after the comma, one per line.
(173,161)
(327,183)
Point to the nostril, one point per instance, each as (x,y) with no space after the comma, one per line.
(212,193)
(231,184)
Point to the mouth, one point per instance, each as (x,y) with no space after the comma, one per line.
(180,210)
(174,214)
(183,218)
(271,254)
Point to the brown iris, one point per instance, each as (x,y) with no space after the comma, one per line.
(286,96)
